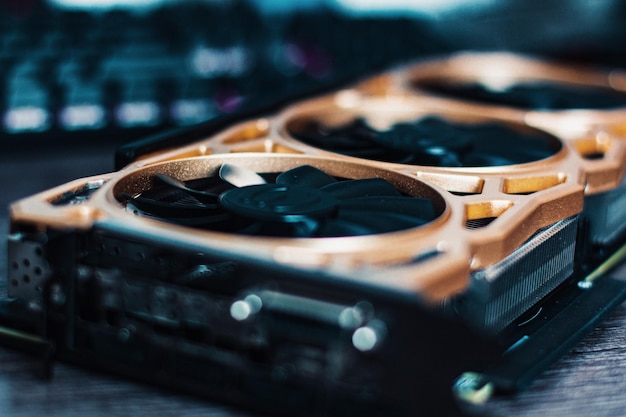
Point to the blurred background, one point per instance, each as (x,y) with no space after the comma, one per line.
(75,72)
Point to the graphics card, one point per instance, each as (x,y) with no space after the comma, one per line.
(355,252)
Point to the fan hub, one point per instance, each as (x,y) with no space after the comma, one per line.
(279,202)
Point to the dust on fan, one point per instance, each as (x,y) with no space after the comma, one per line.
(430,141)
(303,202)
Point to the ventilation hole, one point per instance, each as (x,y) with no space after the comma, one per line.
(15,265)
(250,131)
(594,156)
(140,256)
(38,271)
(524,193)
(594,147)
(14,283)
(529,185)
(116,251)
(479,215)
(39,252)
(479,223)
(26,262)
(455,184)
(26,279)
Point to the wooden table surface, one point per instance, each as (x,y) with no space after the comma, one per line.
(589,381)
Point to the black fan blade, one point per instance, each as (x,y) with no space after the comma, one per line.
(186,213)
(380,222)
(353,136)
(305,175)
(438,158)
(300,229)
(428,135)
(380,154)
(355,139)
(239,176)
(203,196)
(342,227)
(361,188)
(497,145)
(336,142)
(419,209)
(486,160)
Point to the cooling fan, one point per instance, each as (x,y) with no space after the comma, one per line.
(537,95)
(582,105)
(406,130)
(302,202)
(430,141)
(520,82)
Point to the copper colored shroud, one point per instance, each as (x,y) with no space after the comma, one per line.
(522,199)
